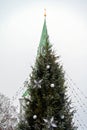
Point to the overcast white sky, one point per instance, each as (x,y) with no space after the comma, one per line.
(21,24)
(20,30)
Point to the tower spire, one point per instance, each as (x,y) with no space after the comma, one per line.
(45,13)
(44,35)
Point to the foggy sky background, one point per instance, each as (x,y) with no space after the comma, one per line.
(20,30)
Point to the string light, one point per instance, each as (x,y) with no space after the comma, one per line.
(76,86)
(79,124)
(74,93)
(79,101)
(82,105)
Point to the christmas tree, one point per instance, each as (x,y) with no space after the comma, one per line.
(47,106)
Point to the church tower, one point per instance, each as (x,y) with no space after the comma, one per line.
(42,44)
(44,36)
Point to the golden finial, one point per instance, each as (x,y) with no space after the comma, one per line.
(45,12)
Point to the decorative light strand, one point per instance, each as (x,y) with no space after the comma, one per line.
(78,100)
(76,95)
(77,112)
(71,87)
(74,84)
(81,126)
(81,120)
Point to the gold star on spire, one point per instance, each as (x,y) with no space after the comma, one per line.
(44,12)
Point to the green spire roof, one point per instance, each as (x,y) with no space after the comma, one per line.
(42,44)
(43,39)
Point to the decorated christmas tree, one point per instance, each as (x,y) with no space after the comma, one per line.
(47,106)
